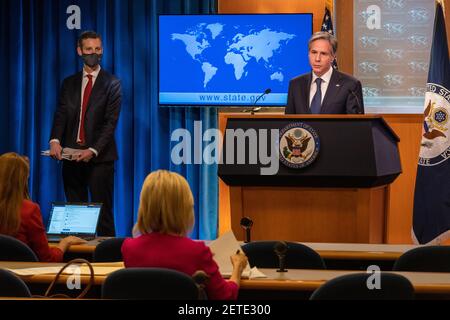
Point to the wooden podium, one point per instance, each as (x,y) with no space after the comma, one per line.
(340,197)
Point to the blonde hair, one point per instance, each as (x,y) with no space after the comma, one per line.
(14,172)
(166,204)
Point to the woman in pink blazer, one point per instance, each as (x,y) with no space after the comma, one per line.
(165,217)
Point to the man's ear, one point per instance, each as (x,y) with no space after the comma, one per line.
(79,51)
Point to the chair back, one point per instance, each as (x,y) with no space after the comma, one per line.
(109,250)
(149,284)
(12,286)
(426,259)
(356,287)
(298,256)
(12,249)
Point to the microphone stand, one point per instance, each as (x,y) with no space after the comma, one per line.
(254,108)
(281,250)
(360,111)
(246,224)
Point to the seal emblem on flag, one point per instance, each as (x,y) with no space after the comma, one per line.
(435,146)
(299,145)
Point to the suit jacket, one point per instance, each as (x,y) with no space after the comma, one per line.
(344,95)
(32,233)
(178,253)
(101,116)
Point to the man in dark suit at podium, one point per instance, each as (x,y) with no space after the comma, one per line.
(86,119)
(324,90)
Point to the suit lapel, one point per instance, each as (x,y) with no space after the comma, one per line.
(307,92)
(78,82)
(333,88)
(96,89)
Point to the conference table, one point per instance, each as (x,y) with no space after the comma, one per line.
(363,251)
(279,285)
(354,256)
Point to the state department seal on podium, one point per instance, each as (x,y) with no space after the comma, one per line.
(299,145)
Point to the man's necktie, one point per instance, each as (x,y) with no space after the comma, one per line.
(86,96)
(316,102)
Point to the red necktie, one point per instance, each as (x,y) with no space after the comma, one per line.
(86,95)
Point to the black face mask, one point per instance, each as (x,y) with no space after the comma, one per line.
(92,60)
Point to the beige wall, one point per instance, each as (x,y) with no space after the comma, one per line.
(316,7)
(344,25)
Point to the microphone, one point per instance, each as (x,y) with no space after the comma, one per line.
(201,279)
(246,224)
(360,109)
(256,109)
(281,249)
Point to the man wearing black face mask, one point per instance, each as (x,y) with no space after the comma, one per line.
(86,119)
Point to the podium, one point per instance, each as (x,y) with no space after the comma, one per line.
(340,197)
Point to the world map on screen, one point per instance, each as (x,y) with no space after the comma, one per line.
(244,50)
(230,60)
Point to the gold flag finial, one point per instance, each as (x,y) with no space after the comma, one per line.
(329,5)
(442,3)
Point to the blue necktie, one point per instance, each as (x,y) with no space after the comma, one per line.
(317,100)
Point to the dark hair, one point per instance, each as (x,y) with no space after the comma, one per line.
(322,35)
(88,35)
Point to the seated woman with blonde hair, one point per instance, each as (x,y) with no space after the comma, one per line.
(165,217)
(19,216)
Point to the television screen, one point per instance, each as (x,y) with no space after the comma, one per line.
(230,60)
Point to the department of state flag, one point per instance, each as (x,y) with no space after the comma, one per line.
(431,216)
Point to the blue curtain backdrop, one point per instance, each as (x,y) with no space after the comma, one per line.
(38,51)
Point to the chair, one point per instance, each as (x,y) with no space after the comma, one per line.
(109,250)
(12,286)
(298,256)
(354,287)
(427,259)
(12,249)
(149,284)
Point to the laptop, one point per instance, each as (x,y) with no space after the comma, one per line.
(73,219)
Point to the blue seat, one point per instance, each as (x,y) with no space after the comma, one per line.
(298,256)
(149,284)
(354,287)
(426,259)
(12,286)
(12,249)
(109,250)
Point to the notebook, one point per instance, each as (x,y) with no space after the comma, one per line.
(73,219)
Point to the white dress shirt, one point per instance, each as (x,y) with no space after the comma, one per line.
(324,86)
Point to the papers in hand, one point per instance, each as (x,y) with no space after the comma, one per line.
(255,273)
(67,153)
(223,248)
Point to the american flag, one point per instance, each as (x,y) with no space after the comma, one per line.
(327,26)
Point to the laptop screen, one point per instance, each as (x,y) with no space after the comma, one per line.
(74,218)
